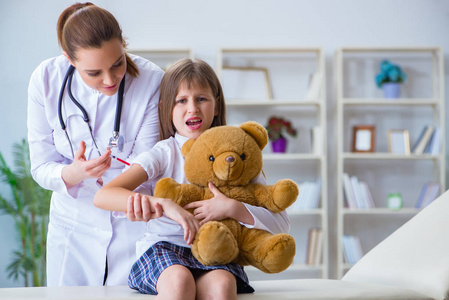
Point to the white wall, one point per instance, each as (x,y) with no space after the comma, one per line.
(28,34)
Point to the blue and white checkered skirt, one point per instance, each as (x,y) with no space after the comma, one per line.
(147,269)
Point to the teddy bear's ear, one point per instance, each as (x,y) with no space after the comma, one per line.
(187,146)
(257,131)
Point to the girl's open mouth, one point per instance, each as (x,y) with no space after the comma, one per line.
(194,123)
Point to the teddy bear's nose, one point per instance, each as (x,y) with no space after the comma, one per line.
(230,159)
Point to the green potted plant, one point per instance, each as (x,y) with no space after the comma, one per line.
(276,129)
(390,78)
(28,205)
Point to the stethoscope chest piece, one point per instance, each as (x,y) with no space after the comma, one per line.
(117,141)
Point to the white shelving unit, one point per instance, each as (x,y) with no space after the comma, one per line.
(163,57)
(290,83)
(359,101)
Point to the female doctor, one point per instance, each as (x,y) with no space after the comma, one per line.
(93,102)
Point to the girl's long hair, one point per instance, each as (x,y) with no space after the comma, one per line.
(193,72)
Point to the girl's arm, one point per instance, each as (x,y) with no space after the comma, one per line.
(118,195)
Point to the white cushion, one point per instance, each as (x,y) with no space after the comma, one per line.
(416,256)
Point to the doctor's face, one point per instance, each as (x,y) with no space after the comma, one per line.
(102,69)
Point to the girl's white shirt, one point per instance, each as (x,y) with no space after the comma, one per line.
(78,231)
(166,160)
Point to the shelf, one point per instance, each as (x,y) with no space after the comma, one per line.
(392,102)
(275,50)
(389,49)
(358,102)
(272,102)
(387,156)
(293,213)
(293,267)
(292,156)
(380,211)
(288,83)
(163,57)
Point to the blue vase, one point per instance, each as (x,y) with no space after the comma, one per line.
(391,90)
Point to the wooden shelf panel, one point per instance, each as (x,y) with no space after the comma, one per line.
(389,156)
(380,211)
(272,102)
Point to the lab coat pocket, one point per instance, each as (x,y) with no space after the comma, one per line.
(127,149)
(62,144)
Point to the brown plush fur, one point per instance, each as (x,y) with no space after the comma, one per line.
(222,242)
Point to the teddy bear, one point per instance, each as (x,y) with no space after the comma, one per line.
(231,157)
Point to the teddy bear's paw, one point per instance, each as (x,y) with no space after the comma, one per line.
(215,244)
(166,188)
(285,193)
(279,251)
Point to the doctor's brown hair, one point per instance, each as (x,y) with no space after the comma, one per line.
(84,25)
(193,72)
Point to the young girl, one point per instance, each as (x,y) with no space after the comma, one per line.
(191,101)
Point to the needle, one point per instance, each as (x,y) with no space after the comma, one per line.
(120,160)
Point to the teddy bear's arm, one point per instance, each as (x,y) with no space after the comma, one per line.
(181,194)
(276,197)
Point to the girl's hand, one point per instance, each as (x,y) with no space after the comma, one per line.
(183,217)
(140,208)
(215,209)
(81,168)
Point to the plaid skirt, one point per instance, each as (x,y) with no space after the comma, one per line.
(147,269)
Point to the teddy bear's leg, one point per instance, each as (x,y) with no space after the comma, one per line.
(215,244)
(267,252)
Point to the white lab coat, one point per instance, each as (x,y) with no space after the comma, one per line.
(81,236)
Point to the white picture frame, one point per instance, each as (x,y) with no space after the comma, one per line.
(246,83)
(398,141)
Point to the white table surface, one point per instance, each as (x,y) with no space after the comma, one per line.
(274,289)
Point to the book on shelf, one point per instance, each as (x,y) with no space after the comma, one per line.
(315,82)
(352,249)
(424,139)
(317,140)
(314,246)
(304,137)
(358,194)
(429,192)
(366,194)
(309,193)
(310,140)
(419,138)
(434,145)
(349,192)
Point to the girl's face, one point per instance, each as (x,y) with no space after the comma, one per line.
(102,69)
(194,110)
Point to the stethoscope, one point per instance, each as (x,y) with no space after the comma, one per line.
(116,140)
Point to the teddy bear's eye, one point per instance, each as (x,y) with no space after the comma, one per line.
(211,158)
(243,156)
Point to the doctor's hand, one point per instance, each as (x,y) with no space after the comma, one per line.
(81,168)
